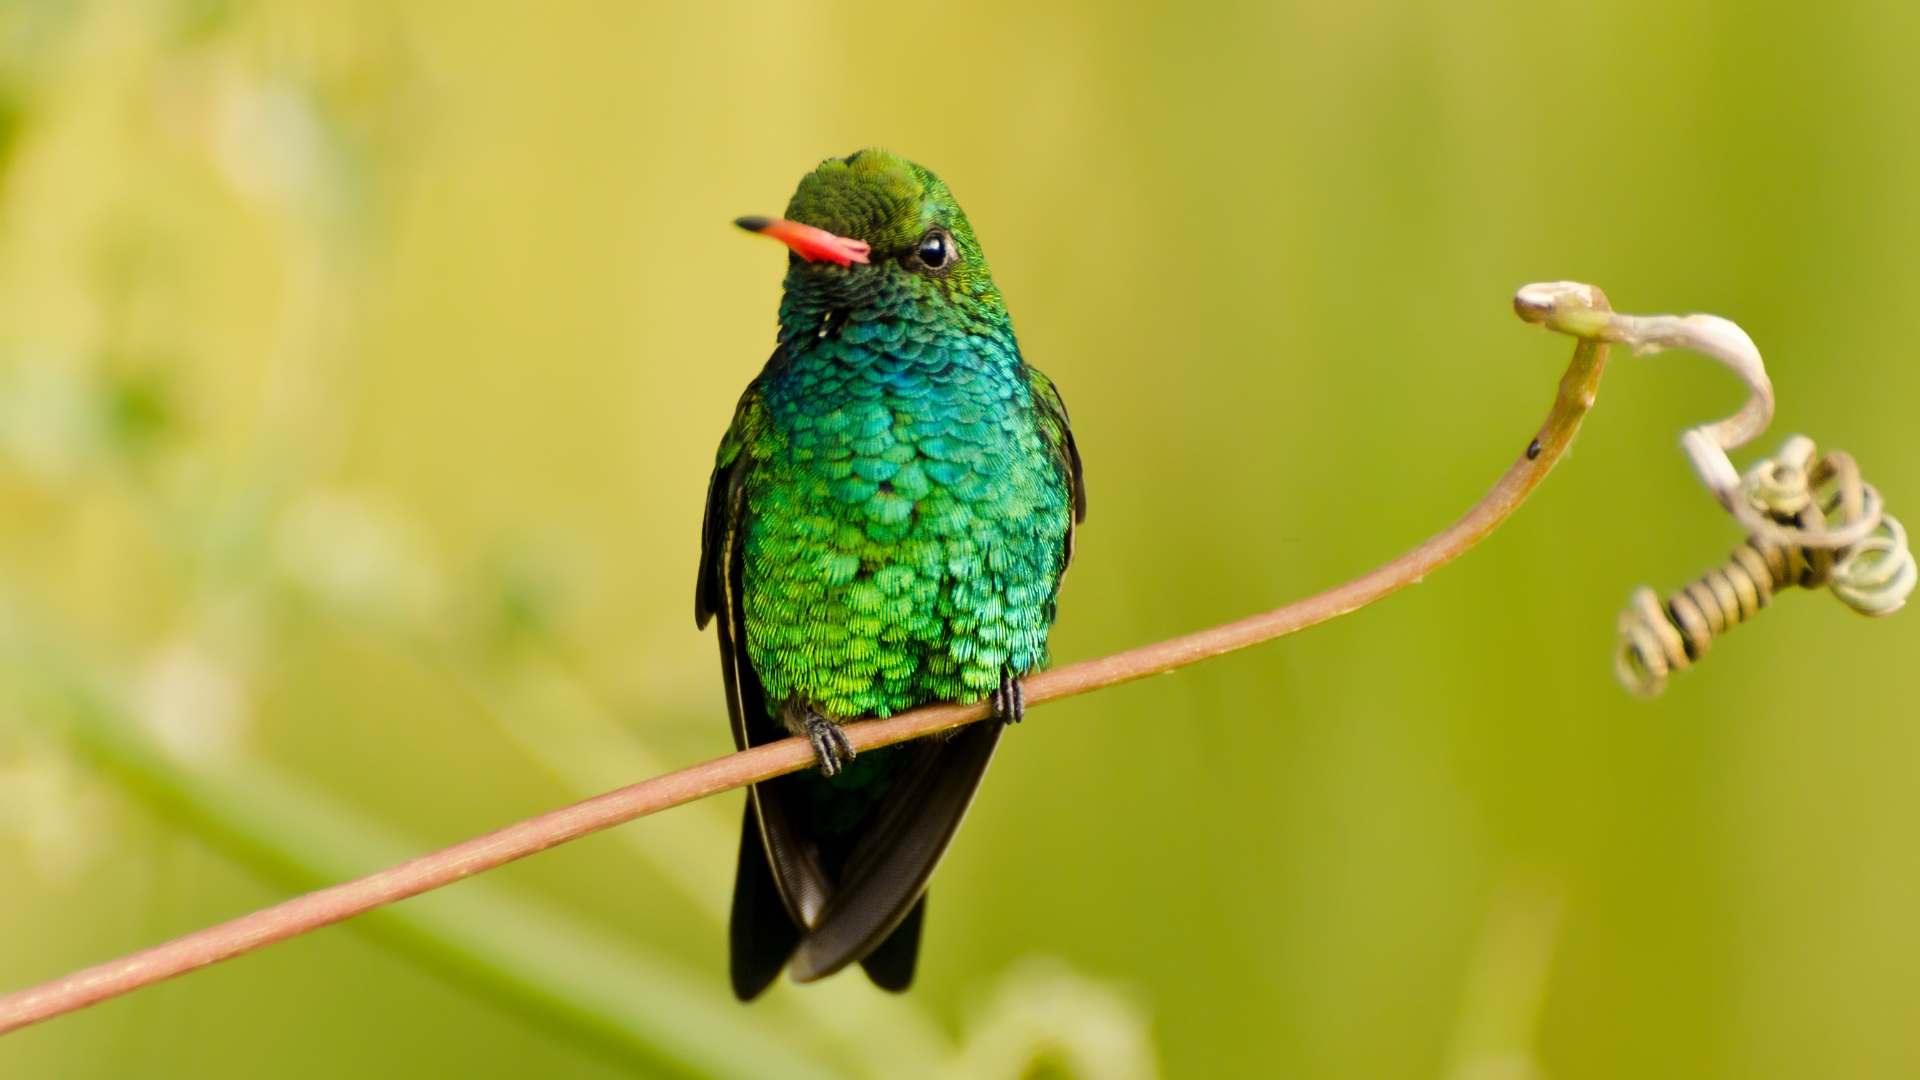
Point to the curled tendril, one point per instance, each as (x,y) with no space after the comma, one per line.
(1814,524)
(1811,520)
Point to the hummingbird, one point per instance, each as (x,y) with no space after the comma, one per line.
(890,515)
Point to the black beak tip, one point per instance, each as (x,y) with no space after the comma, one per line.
(753,223)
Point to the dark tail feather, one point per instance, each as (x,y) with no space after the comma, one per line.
(888,869)
(761,938)
(891,965)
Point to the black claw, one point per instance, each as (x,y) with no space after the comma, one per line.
(1010,701)
(830,745)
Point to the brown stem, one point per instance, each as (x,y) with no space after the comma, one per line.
(340,902)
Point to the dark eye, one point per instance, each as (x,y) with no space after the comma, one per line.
(934,249)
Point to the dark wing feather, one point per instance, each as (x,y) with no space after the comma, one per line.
(891,965)
(707,586)
(722,517)
(1057,429)
(1079,473)
(888,870)
(761,935)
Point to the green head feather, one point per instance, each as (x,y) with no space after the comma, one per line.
(890,203)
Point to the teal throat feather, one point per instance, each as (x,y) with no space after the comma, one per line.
(893,511)
(906,524)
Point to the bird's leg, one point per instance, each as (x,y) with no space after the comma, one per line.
(831,748)
(1010,701)
(830,745)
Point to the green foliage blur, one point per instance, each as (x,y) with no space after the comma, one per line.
(360,369)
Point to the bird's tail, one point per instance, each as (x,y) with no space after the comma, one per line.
(876,906)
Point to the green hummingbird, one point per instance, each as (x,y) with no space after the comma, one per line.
(890,515)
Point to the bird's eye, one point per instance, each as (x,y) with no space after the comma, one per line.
(934,249)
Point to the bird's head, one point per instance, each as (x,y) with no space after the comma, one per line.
(875,216)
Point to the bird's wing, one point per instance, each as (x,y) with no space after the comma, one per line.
(761,936)
(891,965)
(717,587)
(1057,430)
(792,861)
(725,510)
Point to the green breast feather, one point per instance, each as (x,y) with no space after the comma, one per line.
(906,518)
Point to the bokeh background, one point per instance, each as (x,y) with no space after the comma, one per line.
(360,369)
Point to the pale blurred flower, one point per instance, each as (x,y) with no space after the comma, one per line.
(1042,1011)
(60,813)
(270,142)
(357,553)
(194,706)
(49,421)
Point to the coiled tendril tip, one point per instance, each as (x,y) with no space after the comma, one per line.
(1814,525)
(1811,520)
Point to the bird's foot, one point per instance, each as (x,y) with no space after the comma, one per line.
(831,747)
(1010,701)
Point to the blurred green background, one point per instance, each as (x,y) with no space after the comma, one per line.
(360,370)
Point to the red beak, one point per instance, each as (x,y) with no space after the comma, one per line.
(808,242)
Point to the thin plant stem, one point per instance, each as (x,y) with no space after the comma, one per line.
(1580,310)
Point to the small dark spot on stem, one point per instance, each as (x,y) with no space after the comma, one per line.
(1533,449)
